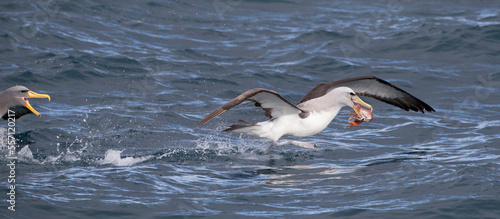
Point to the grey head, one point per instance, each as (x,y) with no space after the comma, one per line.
(15,101)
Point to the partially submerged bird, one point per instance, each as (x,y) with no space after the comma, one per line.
(14,102)
(317,108)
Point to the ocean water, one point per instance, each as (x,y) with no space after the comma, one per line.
(130,80)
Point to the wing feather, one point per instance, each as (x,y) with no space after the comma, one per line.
(273,104)
(376,88)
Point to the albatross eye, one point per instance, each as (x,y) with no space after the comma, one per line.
(352,94)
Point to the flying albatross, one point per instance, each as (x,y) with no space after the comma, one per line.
(14,102)
(317,108)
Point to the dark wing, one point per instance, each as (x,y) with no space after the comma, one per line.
(19,111)
(374,87)
(273,104)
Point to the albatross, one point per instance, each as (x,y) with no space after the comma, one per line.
(316,109)
(14,101)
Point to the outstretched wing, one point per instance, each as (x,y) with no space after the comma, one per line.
(273,104)
(374,87)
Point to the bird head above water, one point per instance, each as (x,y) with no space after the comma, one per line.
(15,99)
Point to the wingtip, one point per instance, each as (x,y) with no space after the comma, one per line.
(429,110)
(211,116)
(202,122)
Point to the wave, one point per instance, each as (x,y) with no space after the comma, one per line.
(320,36)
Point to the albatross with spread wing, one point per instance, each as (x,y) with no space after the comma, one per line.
(317,108)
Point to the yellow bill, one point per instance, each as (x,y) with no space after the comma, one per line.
(28,105)
(362,103)
(32,94)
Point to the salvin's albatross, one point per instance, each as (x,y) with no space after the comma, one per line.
(16,100)
(317,108)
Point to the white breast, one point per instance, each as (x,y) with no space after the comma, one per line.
(294,125)
(313,124)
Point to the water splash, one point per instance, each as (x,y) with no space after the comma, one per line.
(113,157)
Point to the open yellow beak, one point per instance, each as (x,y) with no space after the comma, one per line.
(32,94)
(362,103)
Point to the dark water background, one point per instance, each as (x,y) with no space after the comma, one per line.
(129,81)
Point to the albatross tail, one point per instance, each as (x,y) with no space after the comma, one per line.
(245,128)
(260,129)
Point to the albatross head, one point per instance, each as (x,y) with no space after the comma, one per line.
(351,98)
(18,96)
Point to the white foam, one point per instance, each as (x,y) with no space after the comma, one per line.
(61,157)
(68,155)
(241,148)
(224,145)
(25,153)
(113,157)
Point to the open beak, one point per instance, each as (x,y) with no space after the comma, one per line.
(32,94)
(362,103)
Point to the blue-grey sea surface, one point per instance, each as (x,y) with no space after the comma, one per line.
(129,81)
